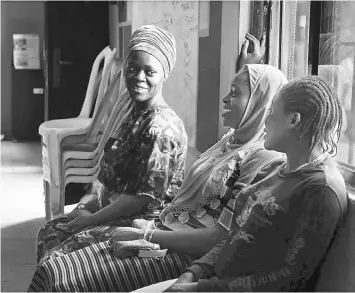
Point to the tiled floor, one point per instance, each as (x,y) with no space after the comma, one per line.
(22,213)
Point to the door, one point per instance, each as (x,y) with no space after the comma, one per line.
(27,105)
(77,31)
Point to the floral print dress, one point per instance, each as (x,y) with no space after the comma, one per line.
(146,156)
(280,230)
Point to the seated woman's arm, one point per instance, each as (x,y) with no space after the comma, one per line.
(195,242)
(199,241)
(318,219)
(161,164)
(200,269)
(124,206)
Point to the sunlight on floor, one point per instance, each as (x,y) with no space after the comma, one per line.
(22,213)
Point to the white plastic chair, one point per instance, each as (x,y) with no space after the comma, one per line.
(121,110)
(118,108)
(80,161)
(54,132)
(88,175)
(88,163)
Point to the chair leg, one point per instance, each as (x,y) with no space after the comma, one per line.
(46,191)
(52,195)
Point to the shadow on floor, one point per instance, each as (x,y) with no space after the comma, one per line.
(18,253)
(21,154)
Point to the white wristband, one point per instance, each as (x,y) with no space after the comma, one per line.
(151,235)
(80,206)
(146,233)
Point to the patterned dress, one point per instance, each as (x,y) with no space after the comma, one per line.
(96,268)
(146,156)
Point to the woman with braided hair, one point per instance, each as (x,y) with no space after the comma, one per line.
(281,228)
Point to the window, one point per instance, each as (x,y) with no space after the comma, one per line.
(318,37)
(203,19)
(336,53)
(124,25)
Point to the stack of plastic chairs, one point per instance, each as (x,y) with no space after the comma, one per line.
(81,162)
(58,135)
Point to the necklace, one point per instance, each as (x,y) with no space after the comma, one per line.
(319,158)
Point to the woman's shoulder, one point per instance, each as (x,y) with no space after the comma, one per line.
(326,180)
(325,174)
(166,113)
(263,157)
(164,121)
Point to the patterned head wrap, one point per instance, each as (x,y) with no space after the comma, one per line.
(157,42)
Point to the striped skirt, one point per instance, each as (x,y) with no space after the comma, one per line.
(96,269)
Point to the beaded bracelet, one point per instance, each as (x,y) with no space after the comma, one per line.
(80,206)
(151,235)
(146,234)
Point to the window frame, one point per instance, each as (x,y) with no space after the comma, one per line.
(125,26)
(316,26)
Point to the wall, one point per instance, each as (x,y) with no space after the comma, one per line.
(181,19)
(209,81)
(113,26)
(235,24)
(180,91)
(217,53)
(16,17)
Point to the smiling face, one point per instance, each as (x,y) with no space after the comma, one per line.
(236,101)
(144,76)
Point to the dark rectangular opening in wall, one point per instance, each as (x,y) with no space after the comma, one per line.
(314,33)
(209,81)
(122,11)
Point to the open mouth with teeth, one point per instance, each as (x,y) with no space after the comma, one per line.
(138,88)
(226,111)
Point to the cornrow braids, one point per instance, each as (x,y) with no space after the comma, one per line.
(320,110)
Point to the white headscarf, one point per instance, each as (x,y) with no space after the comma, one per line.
(265,81)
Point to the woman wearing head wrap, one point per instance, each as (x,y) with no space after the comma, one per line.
(143,164)
(197,204)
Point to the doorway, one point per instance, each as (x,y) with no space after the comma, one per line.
(76,32)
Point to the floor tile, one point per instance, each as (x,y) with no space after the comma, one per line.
(15,286)
(16,273)
(22,213)
(23,202)
(34,225)
(17,252)
(34,242)
(15,231)
(24,169)
(21,154)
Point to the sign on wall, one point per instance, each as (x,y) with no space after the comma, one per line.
(26,51)
(181,19)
